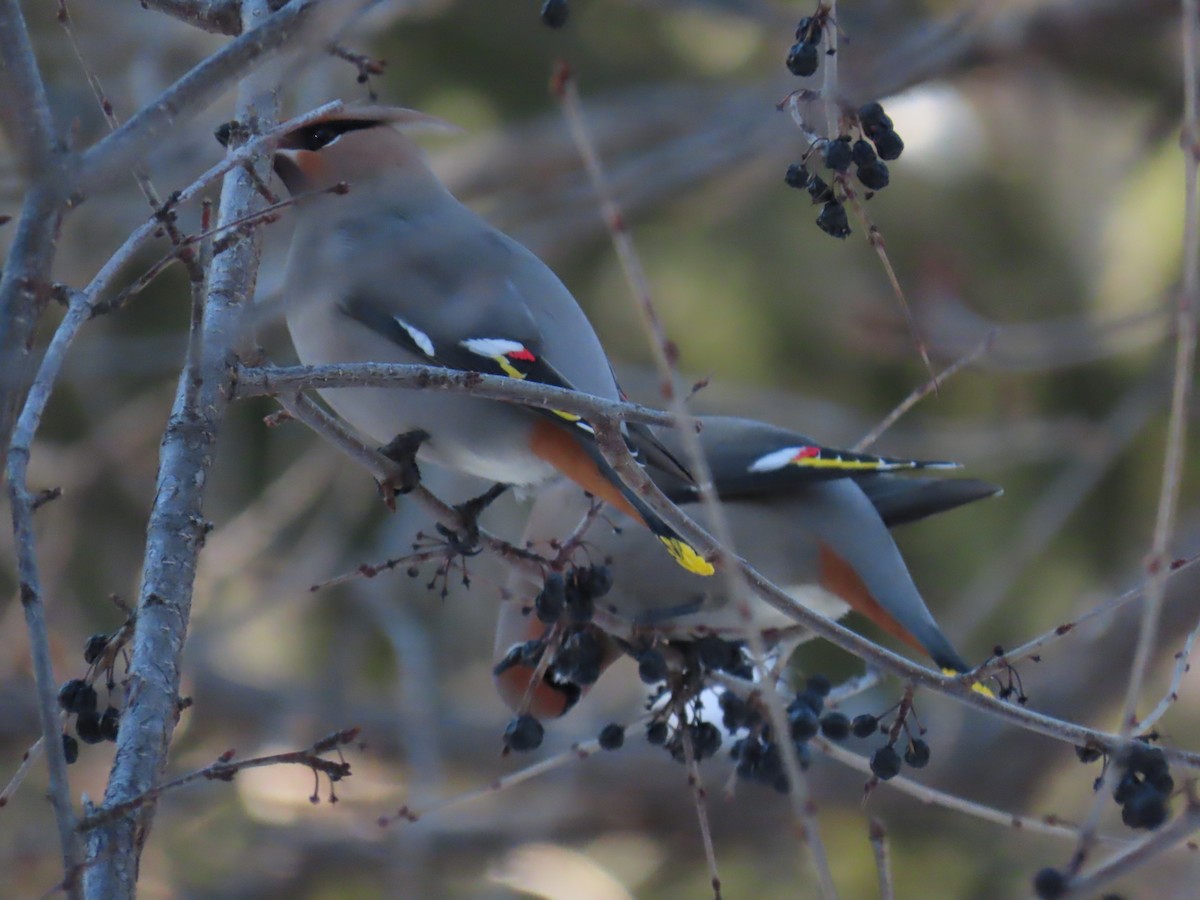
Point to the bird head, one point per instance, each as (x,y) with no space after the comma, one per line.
(354,144)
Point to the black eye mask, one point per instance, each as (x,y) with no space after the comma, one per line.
(311,137)
(321,134)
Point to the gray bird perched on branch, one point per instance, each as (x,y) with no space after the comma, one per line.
(812,519)
(399,271)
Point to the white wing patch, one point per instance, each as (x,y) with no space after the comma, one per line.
(492,347)
(777,459)
(420,338)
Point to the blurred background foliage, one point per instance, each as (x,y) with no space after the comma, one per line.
(1039,202)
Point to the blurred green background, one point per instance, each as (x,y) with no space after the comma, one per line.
(1039,202)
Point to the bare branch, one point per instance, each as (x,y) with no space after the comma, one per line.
(24,287)
(285,380)
(27,118)
(176,528)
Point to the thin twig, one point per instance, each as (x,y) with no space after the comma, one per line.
(226,767)
(1058,632)
(577,751)
(567,93)
(1157,564)
(1048,825)
(1183,665)
(28,758)
(883,861)
(929,387)
(32,601)
(699,799)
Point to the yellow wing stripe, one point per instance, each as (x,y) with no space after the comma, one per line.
(977,687)
(686,556)
(816,462)
(508,368)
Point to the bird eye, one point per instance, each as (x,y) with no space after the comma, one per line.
(321,136)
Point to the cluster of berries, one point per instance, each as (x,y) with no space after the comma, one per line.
(706,654)
(878,142)
(758,755)
(705,737)
(555,13)
(885,761)
(1144,787)
(77,697)
(1145,784)
(574,595)
(803,57)
(571,600)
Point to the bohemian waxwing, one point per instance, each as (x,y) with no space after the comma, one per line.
(811,519)
(398,271)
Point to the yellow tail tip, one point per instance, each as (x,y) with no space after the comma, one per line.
(977,687)
(686,556)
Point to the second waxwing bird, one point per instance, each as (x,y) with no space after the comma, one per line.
(399,271)
(813,520)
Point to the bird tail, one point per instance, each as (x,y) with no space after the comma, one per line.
(582,462)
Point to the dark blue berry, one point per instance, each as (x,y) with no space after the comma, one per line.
(523,733)
(885,763)
(864,726)
(835,726)
(87,727)
(77,696)
(552,599)
(612,737)
(917,754)
(555,13)
(1049,884)
(652,667)
(833,221)
(837,155)
(94,648)
(796,176)
(888,145)
(874,176)
(802,59)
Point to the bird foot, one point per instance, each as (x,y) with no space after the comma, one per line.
(402,450)
(466,540)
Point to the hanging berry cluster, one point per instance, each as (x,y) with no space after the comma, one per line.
(878,141)
(79,698)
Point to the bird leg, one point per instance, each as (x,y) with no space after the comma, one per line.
(402,450)
(466,541)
